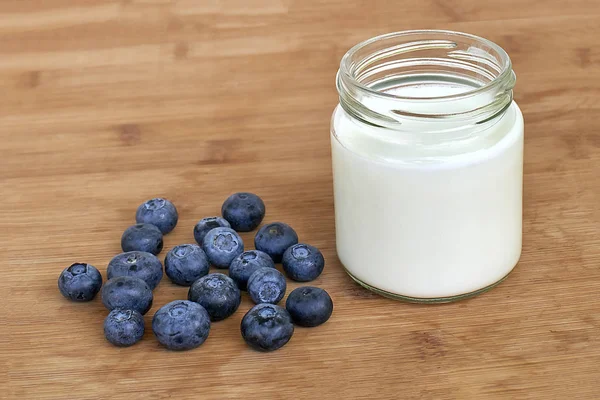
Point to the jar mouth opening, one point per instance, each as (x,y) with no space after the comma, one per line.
(498,64)
(432,80)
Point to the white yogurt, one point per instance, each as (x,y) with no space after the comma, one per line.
(428,222)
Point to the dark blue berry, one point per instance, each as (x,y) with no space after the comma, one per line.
(244,211)
(139,264)
(274,239)
(124,327)
(303,262)
(142,237)
(309,306)
(80,282)
(158,212)
(266,285)
(127,293)
(181,325)
(221,246)
(267,327)
(218,294)
(246,263)
(206,224)
(185,264)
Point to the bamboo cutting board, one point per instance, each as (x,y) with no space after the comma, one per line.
(108,103)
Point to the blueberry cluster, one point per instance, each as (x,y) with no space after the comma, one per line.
(185,324)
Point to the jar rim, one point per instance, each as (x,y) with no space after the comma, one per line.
(505,74)
(380,81)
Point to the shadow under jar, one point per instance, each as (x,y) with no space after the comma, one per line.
(427,152)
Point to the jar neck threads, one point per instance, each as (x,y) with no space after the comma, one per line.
(426,81)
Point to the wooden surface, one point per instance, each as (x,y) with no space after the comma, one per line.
(107,103)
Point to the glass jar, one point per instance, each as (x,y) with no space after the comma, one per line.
(427,152)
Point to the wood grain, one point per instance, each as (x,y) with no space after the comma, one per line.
(108,103)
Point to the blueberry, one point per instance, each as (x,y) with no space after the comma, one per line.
(218,294)
(206,224)
(142,237)
(139,264)
(185,264)
(181,325)
(127,293)
(267,327)
(303,262)
(222,245)
(266,285)
(309,306)
(244,211)
(158,212)
(124,327)
(274,239)
(80,282)
(246,263)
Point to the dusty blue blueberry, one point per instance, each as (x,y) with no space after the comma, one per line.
(186,263)
(139,264)
(309,306)
(266,285)
(127,293)
(158,212)
(246,263)
(221,246)
(218,294)
(274,239)
(303,262)
(181,325)
(142,237)
(80,282)
(206,224)
(244,211)
(124,327)
(267,327)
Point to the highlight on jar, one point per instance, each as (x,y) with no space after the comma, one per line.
(427,155)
